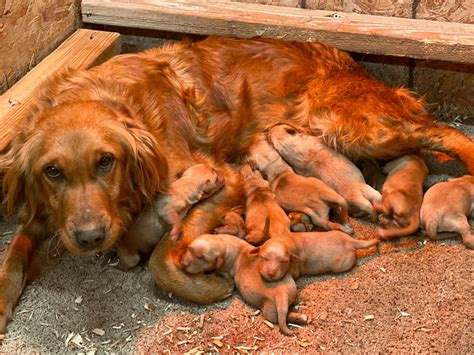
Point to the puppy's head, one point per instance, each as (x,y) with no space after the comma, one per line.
(274,259)
(202,255)
(85,169)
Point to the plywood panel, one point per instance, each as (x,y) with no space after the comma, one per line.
(288,3)
(30,30)
(446,10)
(375,7)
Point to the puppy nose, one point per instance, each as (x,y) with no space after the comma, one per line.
(91,238)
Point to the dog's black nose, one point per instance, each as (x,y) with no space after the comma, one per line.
(90,239)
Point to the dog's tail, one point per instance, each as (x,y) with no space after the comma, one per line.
(449,140)
(364,244)
(394,232)
(198,288)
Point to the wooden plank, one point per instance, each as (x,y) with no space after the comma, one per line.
(373,7)
(353,32)
(83,49)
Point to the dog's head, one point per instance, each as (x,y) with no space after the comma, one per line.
(202,255)
(274,259)
(85,168)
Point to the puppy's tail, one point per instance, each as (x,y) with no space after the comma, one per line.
(364,244)
(394,232)
(167,274)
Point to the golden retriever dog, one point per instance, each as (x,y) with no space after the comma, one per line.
(402,196)
(264,218)
(102,142)
(446,209)
(309,156)
(310,253)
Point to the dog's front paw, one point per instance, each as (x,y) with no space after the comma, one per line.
(3,325)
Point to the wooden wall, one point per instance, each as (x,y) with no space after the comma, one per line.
(448,87)
(30,30)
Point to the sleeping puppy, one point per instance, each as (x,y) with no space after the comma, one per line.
(196,183)
(402,196)
(233,256)
(308,254)
(309,156)
(264,218)
(446,208)
(295,193)
(232,224)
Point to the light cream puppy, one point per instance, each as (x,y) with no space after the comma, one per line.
(197,182)
(264,218)
(295,193)
(309,254)
(402,196)
(233,256)
(309,156)
(446,208)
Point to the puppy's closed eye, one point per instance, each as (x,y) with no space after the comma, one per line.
(291,131)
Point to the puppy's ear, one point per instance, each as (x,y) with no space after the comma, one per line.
(255,251)
(294,257)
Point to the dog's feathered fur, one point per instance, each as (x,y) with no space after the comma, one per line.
(159,112)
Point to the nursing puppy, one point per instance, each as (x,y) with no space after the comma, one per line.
(196,183)
(264,218)
(309,156)
(232,224)
(295,193)
(402,196)
(233,257)
(309,254)
(446,208)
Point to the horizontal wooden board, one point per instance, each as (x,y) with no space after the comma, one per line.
(84,48)
(354,32)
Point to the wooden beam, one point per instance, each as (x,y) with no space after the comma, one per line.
(354,32)
(83,49)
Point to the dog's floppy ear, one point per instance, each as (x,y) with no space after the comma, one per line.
(18,179)
(147,165)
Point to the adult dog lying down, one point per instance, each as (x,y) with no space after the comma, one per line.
(101,143)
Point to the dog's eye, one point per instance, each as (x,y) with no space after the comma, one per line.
(52,172)
(105,162)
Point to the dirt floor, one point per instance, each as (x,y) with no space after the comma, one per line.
(412,296)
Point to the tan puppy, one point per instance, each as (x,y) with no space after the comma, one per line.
(264,218)
(309,156)
(297,193)
(446,207)
(232,224)
(309,254)
(232,256)
(402,196)
(196,183)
